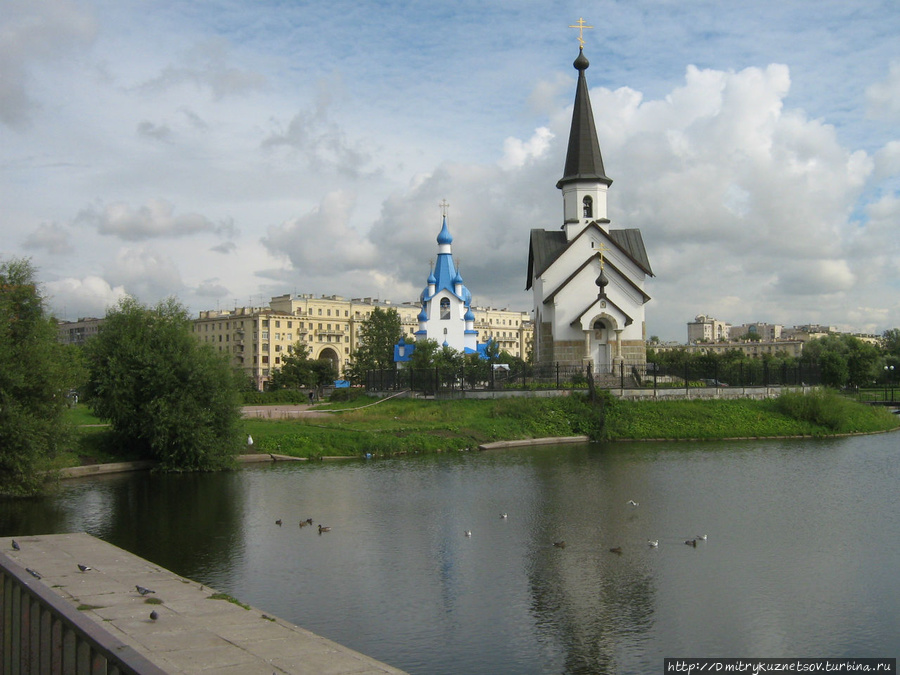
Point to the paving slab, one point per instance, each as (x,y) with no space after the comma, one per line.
(192,633)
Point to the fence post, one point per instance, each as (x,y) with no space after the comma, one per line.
(557,374)
(621,374)
(685,378)
(765,373)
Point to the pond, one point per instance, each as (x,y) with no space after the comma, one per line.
(800,559)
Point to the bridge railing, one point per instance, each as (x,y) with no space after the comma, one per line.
(42,632)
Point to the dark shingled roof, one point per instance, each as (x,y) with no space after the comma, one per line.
(583,159)
(547,245)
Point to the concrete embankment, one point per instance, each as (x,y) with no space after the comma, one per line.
(499,445)
(191,631)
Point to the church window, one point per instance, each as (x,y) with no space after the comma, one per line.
(588,206)
(445,308)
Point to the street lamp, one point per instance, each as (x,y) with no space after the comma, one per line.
(889,372)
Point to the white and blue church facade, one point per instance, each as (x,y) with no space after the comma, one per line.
(446,316)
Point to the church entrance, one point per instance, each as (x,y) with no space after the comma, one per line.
(600,347)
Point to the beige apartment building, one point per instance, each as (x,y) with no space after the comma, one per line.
(258,338)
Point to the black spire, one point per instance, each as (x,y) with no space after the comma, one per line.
(583,160)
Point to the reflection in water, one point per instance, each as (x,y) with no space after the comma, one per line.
(804,539)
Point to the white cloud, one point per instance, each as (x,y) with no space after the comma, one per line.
(153,220)
(884,96)
(52,237)
(146,273)
(75,298)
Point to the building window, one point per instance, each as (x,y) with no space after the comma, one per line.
(445,309)
(588,207)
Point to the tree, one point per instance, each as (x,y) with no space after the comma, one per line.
(166,396)
(33,382)
(378,334)
(298,370)
(844,359)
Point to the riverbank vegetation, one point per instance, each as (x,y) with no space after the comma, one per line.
(367,426)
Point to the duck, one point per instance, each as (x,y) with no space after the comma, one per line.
(559,544)
(303,523)
(468,533)
(324,529)
(616,549)
(504,515)
(653,543)
(278,522)
(691,542)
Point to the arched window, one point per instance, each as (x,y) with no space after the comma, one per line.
(445,308)
(588,205)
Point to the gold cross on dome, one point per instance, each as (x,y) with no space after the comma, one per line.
(602,248)
(580,26)
(445,207)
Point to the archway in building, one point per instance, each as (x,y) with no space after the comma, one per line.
(331,355)
(600,348)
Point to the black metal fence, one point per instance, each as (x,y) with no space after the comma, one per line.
(488,377)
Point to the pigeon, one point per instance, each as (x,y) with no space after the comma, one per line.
(32,573)
(143,591)
(84,568)
(16,546)
(153,615)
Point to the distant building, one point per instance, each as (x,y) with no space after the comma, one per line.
(754,350)
(258,338)
(767,332)
(78,332)
(707,329)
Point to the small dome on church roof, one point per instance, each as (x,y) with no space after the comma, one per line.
(457,278)
(432,279)
(423,315)
(602,281)
(581,63)
(470,315)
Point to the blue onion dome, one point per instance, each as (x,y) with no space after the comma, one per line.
(457,278)
(423,315)
(446,344)
(432,279)
(444,235)
(470,315)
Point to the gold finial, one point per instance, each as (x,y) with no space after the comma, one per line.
(445,207)
(580,26)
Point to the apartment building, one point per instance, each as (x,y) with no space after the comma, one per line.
(707,329)
(258,338)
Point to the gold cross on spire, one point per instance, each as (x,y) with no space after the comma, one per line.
(580,26)
(445,207)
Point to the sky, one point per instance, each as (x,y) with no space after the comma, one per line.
(227,151)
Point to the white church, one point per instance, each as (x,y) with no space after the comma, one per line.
(587,277)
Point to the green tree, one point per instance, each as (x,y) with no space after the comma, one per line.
(298,370)
(844,359)
(378,334)
(166,396)
(33,381)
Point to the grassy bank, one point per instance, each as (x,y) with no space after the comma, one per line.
(399,425)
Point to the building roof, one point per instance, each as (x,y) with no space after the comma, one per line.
(583,159)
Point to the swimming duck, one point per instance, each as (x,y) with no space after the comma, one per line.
(691,542)
(559,544)
(616,549)
(653,543)
(324,529)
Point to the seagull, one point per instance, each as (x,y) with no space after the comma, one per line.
(653,542)
(691,542)
(616,549)
(249,441)
(153,615)
(324,529)
(32,573)
(559,544)
(468,533)
(143,591)
(504,515)
(631,502)
(16,546)
(701,537)
(84,568)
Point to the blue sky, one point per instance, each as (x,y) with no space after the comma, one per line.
(225,152)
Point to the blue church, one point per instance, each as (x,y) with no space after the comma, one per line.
(446,315)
